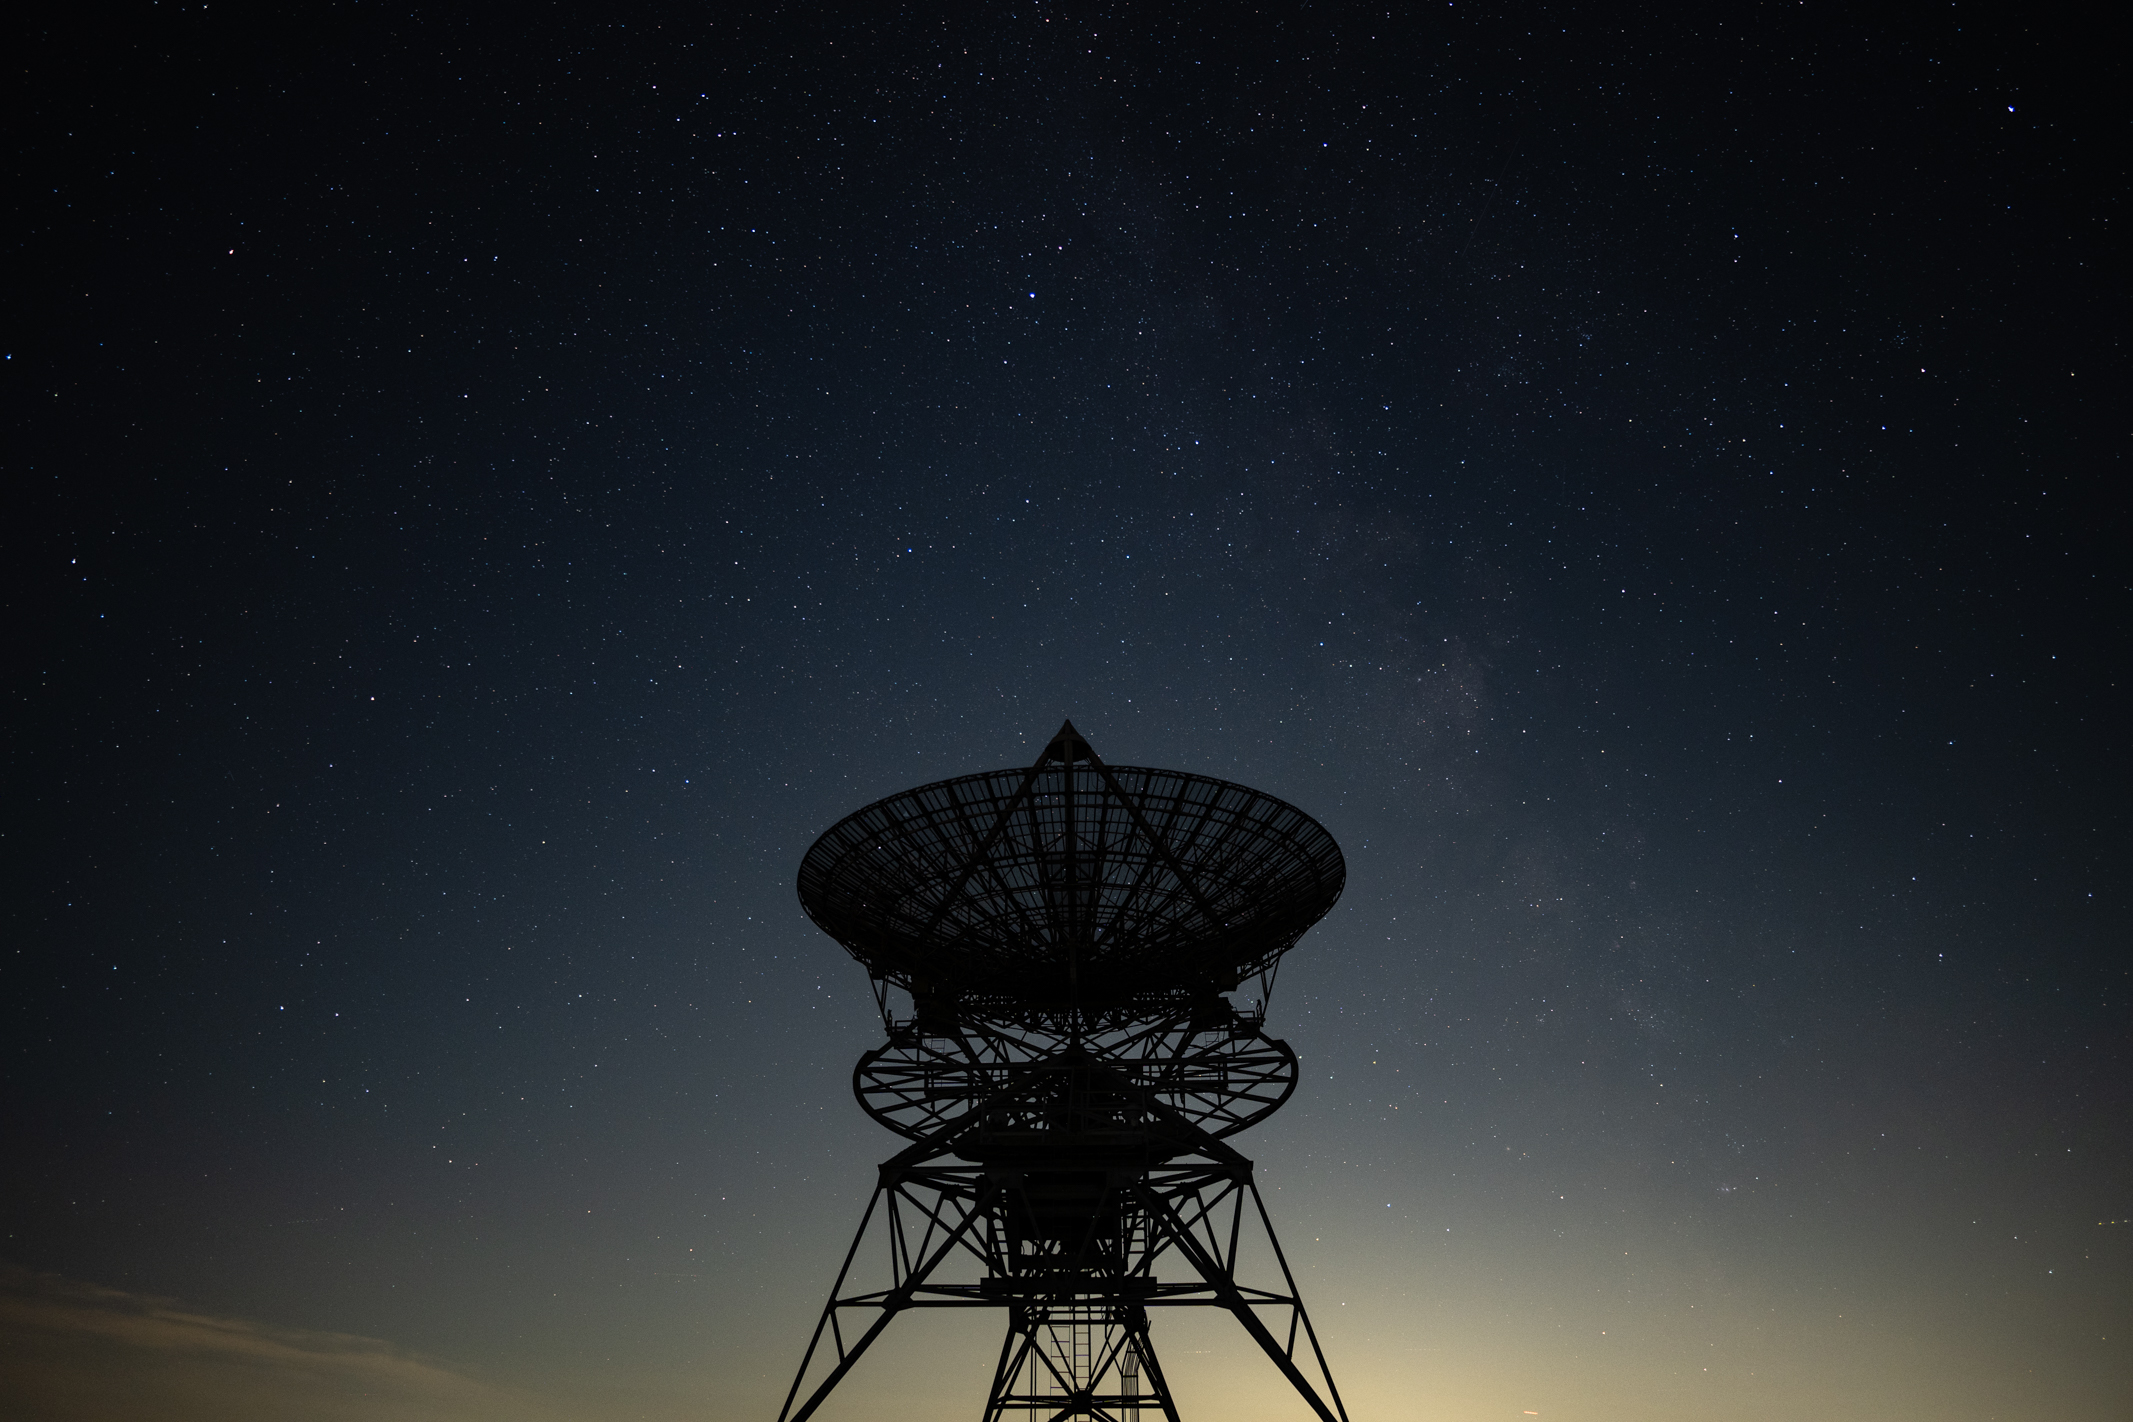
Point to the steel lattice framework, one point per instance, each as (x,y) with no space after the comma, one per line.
(1072,1072)
(1221,1079)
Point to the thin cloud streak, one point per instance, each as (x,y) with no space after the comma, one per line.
(72,1352)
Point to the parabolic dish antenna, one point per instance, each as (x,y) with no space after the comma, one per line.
(1071,887)
(1071,1077)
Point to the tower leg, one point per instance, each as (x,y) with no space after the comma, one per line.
(912,1269)
(1217,1267)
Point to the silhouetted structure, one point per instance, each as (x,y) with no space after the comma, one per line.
(1072,1070)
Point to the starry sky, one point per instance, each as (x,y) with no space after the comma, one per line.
(483,494)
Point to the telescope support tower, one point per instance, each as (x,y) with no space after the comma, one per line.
(1067,1227)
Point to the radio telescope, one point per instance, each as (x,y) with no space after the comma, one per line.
(1072,1069)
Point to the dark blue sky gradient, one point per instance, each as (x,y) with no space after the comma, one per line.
(484,496)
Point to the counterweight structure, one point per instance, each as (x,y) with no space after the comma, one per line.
(1072,1070)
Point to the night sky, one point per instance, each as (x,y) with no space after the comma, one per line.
(482,495)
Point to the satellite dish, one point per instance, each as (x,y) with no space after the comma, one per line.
(1072,890)
(1072,1076)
